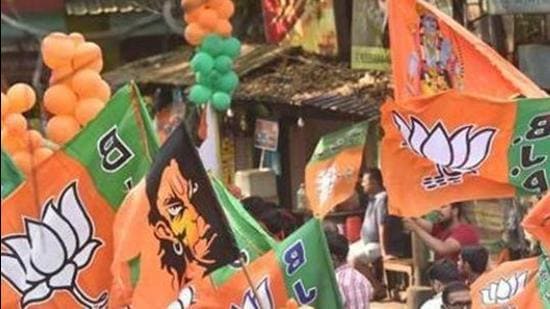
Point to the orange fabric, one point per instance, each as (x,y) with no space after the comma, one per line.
(134,237)
(435,53)
(234,290)
(29,202)
(345,168)
(537,221)
(408,174)
(512,283)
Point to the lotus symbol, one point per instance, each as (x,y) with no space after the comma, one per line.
(454,154)
(504,290)
(53,250)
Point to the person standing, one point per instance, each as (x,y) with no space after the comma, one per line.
(472,262)
(440,274)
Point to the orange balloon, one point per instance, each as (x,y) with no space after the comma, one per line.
(224,8)
(21,98)
(86,83)
(104,92)
(13,143)
(77,38)
(208,19)
(87,109)
(194,33)
(15,123)
(88,55)
(23,160)
(57,50)
(189,4)
(291,304)
(60,100)
(223,28)
(62,75)
(60,129)
(41,154)
(35,139)
(192,15)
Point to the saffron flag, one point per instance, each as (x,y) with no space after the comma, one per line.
(57,226)
(537,221)
(253,241)
(299,267)
(456,147)
(10,176)
(333,170)
(430,53)
(174,223)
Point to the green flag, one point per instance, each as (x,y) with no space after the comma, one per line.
(11,177)
(544,279)
(307,267)
(253,241)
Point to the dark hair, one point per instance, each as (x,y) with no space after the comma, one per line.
(444,271)
(452,287)
(459,206)
(337,245)
(476,256)
(376,175)
(255,206)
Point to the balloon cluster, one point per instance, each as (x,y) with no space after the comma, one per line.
(209,29)
(77,92)
(27,148)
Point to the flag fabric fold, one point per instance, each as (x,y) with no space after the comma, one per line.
(11,177)
(432,155)
(57,226)
(333,170)
(173,223)
(431,53)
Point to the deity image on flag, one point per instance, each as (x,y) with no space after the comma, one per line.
(184,236)
(52,252)
(455,154)
(434,65)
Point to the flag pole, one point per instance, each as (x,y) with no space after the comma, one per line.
(250,283)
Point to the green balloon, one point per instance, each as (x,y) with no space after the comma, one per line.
(212,45)
(221,101)
(202,62)
(228,82)
(199,94)
(203,79)
(223,64)
(232,47)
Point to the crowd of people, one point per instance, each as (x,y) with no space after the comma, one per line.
(458,257)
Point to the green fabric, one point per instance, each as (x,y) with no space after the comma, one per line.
(251,238)
(544,280)
(331,144)
(11,177)
(126,112)
(309,274)
(528,155)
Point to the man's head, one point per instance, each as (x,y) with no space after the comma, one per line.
(338,247)
(456,295)
(441,273)
(451,212)
(371,181)
(473,260)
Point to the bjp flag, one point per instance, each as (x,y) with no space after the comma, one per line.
(173,224)
(430,53)
(57,225)
(512,285)
(537,221)
(455,147)
(333,170)
(10,176)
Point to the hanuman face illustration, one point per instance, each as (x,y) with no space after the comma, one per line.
(184,236)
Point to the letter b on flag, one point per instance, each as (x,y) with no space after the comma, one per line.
(113,151)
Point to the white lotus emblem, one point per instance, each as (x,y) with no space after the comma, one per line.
(504,290)
(454,154)
(52,252)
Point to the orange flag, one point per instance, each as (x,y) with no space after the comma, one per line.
(430,53)
(435,151)
(514,284)
(538,221)
(266,276)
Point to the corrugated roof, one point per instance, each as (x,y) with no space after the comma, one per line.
(281,76)
(95,7)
